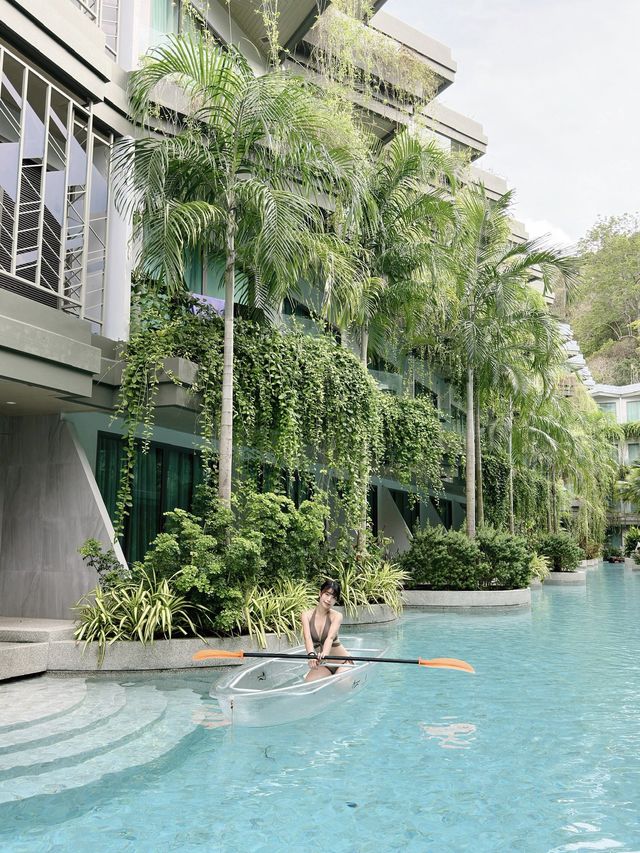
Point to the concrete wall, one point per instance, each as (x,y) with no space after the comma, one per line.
(49,505)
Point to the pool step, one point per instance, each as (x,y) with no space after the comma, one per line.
(70,747)
(96,707)
(23,703)
(156,722)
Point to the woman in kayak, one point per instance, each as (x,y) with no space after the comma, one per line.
(320,628)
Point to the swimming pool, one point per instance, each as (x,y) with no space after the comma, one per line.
(539,751)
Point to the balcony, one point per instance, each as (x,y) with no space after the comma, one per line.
(389,382)
(105,14)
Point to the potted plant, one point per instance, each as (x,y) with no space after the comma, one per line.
(614,555)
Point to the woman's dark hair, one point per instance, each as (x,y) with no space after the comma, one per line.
(331,586)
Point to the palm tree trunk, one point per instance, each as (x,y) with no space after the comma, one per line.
(554,501)
(512,521)
(471,460)
(364,346)
(361,536)
(225,466)
(479,491)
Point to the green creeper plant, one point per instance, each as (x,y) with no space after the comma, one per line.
(220,182)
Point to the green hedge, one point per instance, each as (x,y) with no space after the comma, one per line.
(561,549)
(441,559)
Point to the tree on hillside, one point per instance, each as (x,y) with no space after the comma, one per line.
(238,176)
(606,310)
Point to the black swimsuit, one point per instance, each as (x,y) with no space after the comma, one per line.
(318,641)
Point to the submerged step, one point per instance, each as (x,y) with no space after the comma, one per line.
(153,742)
(101,702)
(26,702)
(144,706)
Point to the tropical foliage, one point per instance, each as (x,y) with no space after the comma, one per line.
(284,188)
(143,609)
(605,314)
(497,327)
(301,401)
(368,577)
(441,559)
(561,550)
(221,181)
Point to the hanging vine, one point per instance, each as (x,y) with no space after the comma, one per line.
(353,56)
(301,402)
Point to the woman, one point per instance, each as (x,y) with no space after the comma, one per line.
(320,628)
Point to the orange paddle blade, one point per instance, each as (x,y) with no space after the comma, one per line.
(203,654)
(447,663)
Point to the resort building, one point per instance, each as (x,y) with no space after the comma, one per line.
(65,284)
(622,402)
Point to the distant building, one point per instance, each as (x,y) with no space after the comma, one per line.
(622,402)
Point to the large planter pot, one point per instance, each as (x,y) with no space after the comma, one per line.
(578,578)
(446,598)
(370,615)
(127,656)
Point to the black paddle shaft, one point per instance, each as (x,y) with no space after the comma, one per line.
(328,657)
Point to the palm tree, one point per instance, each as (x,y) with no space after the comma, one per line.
(489,277)
(238,174)
(393,229)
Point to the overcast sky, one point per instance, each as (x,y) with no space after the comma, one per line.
(556,87)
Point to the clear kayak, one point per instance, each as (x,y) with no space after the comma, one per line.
(272,691)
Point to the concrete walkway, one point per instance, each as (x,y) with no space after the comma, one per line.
(24,644)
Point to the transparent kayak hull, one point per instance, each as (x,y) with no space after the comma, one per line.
(272,691)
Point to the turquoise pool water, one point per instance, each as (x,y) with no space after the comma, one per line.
(539,751)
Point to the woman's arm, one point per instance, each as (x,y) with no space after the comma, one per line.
(308,642)
(336,621)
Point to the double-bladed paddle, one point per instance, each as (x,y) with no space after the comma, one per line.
(437,663)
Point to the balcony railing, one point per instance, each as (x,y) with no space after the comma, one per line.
(104,13)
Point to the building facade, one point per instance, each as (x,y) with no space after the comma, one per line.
(65,282)
(622,403)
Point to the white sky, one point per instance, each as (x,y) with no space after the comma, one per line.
(556,87)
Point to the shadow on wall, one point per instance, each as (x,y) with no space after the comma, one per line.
(49,505)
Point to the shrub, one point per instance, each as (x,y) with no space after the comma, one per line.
(142,610)
(507,559)
(109,568)
(443,559)
(216,558)
(368,578)
(293,540)
(563,552)
(631,539)
(539,567)
(611,553)
(277,609)
(593,549)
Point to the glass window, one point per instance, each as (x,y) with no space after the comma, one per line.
(444,508)
(633,451)
(633,410)
(165,19)
(607,406)
(409,506)
(164,479)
